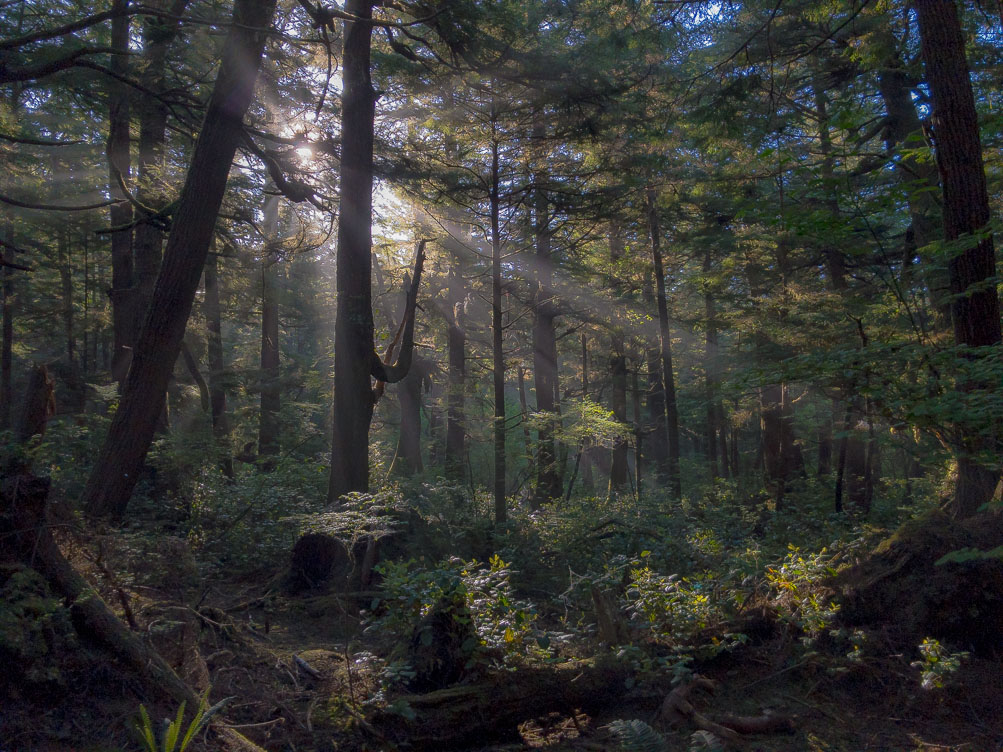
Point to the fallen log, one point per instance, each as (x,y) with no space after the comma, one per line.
(492,710)
(677,710)
(26,537)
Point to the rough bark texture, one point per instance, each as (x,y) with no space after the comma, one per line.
(115,474)
(975,307)
(354,328)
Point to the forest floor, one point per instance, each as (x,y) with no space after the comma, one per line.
(310,673)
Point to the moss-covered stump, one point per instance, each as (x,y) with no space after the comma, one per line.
(318,559)
(901,587)
(491,711)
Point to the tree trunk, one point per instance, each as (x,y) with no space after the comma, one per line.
(904,129)
(456,347)
(407,459)
(66,290)
(217,366)
(497,352)
(119,160)
(353,331)
(548,478)
(7,344)
(158,35)
(835,265)
(117,469)
(665,343)
(710,370)
(618,403)
(975,307)
(271,399)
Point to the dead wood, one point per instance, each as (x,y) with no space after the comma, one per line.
(491,710)
(609,620)
(677,710)
(26,537)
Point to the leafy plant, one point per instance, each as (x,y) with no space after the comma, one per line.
(637,736)
(171,739)
(937,664)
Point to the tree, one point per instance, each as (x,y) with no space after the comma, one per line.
(115,473)
(975,307)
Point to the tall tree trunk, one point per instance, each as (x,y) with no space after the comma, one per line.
(975,306)
(115,473)
(497,352)
(407,458)
(456,347)
(271,399)
(617,372)
(354,329)
(85,324)
(158,34)
(119,160)
(710,369)
(7,342)
(665,345)
(903,129)
(835,265)
(66,290)
(657,439)
(217,366)
(585,450)
(548,477)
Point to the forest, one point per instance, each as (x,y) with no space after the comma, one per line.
(493,374)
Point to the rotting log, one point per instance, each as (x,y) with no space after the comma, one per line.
(492,710)
(25,536)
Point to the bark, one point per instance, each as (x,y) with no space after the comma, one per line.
(713,406)
(500,704)
(825,442)
(781,456)
(456,347)
(497,352)
(657,440)
(192,366)
(407,459)
(119,160)
(524,407)
(27,536)
(665,351)
(549,484)
(353,333)
(158,35)
(217,366)
(975,308)
(835,265)
(904,129)
(271,399)
(66,290)
(617,373)
(114,475)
